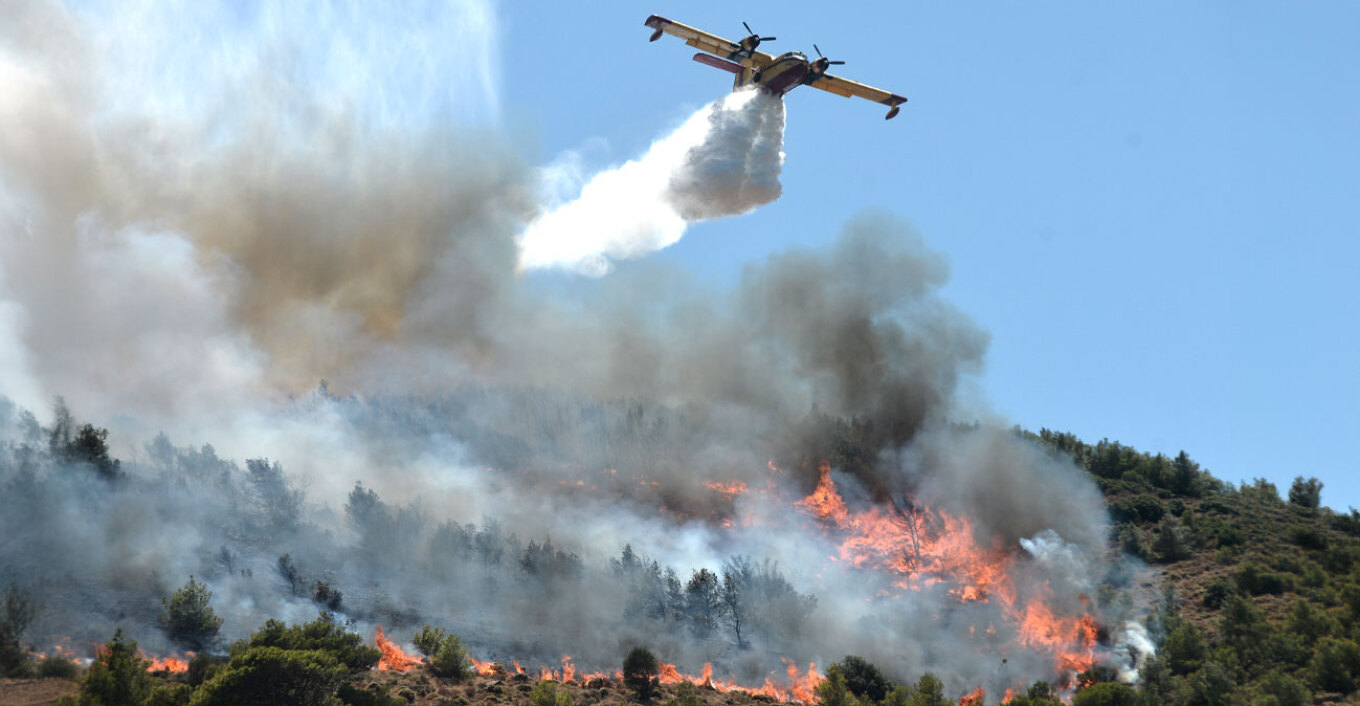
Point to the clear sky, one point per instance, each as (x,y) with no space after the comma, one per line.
(1152,207)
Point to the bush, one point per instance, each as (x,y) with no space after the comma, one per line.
(346,647)
(1216,593)
(686,694)
(447,656)
(117,676)
(1137,508)
(1255,581)
(271,675)
(640,671)
(57,667)
(864,679)
(188,619)
(1107,693)
(546,693)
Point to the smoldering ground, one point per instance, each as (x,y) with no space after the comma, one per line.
(194,266)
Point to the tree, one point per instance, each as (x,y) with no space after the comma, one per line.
(703,602)
(448,658)
(928,691)
(863,679)
(736,575)
(117,676)
(1184,649)
(1335,665)
(640,670)
(188,619)
(19,611)
(1184,476)
(834,691)
(1306,493)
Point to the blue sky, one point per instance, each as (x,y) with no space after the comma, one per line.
(1152,207)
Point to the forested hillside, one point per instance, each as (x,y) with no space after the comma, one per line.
(1261,595)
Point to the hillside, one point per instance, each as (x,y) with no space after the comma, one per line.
(1261,596)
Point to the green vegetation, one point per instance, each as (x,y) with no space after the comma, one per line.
(18,611)
(448,658)
(187,617)
(640,670)
(546,693)
(1264,593)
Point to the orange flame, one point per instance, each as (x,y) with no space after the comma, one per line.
(173,665)
(731,487)
(925,547)
(393,657)
(974,698)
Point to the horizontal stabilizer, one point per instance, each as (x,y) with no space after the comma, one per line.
(717,63)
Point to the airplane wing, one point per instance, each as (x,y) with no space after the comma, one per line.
(711,43)
(846,87)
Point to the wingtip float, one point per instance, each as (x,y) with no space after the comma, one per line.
(775,75)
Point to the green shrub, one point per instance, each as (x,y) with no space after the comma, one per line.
(272,675)
(346,647)
(1107,693)
(117,675)
(57,667)
(686,694)
(546,693)
(864,679)
(1335,665)
(447,656)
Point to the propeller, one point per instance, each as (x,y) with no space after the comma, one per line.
(753,34)
(826,60)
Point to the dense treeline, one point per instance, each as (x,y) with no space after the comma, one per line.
(1262,589)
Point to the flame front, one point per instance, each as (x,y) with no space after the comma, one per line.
(393,657)
(922,548)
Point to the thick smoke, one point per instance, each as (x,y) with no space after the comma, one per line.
(194,261)
(723,161)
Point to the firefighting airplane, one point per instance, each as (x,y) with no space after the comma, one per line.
(776,75)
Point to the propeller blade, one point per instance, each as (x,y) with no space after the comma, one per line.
(768,39)
(836,63)
(819,51)
(748,28)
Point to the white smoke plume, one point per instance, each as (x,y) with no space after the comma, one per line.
(722,161)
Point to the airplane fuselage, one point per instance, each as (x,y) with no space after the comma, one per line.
(789,71)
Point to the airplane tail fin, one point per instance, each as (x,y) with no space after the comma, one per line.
(717,63)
